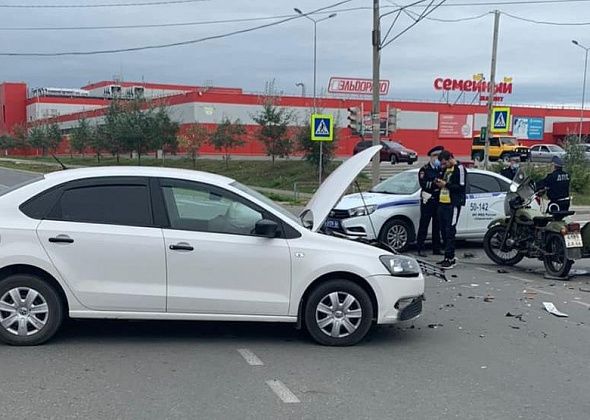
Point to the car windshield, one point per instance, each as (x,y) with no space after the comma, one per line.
(275,206)
(509,141)
(402,183)
(6,190)
(392,144)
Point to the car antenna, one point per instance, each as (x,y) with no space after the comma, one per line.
(366,208)
(64,167)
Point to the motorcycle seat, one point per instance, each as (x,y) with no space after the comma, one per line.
(542,221)
(560,215)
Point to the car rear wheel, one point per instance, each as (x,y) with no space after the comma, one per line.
(396,233)
(478,156)
(338,313)
(31,311)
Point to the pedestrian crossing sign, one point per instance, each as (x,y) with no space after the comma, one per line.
(501,119)
(322,127)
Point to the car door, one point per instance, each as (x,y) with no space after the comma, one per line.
(536,153)
(216,264)
(544,154)
(485,201)
(102,240)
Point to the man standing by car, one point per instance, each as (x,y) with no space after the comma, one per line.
(557,185)
(451,199)
(512,168)
(429,197)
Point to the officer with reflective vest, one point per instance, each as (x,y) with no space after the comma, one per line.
(557,185)
(429,196)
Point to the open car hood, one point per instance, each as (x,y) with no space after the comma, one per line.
(333,188)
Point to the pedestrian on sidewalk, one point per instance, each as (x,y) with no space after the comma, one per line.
(451,199)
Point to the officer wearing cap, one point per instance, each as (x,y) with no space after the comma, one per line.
(429,201)
(512,168)
(557,185)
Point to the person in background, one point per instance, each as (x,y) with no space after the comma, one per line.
(557,185)
(512,168)
(429,196)
(451,199)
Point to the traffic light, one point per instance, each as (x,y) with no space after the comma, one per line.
(355,118)
(392,116)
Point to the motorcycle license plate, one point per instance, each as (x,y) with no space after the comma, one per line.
(573,240)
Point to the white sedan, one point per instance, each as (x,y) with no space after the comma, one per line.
(156,243)
(390,212)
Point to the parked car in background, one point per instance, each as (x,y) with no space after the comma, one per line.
(394,209)
(501,148)
(545,152)
(392,151)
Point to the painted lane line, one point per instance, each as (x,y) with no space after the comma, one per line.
(587,305)
(250,357)
(540,291)
(284,393)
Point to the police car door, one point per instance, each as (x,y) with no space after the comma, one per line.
(485,201)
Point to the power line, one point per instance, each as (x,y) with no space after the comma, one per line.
(544,22)
(172,44)
(98,5)
(511,3)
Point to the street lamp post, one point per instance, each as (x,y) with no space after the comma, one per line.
(586,49)
(315,60)
(302,86)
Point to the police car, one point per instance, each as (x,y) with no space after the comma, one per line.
(394,209)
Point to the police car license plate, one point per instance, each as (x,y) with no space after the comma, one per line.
(333,224)
(573,240)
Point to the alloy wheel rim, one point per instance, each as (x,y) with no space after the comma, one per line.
(397,237)
(23,311)
(338,314)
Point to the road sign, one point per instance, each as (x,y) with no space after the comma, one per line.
(482,133)
(322,127)
(501,119)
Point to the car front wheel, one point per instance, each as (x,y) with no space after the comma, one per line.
(338,313)
(396,234)
(31,311)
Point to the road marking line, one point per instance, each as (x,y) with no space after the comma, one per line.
(486,270)
(281,390)
(521,279)
(250,357)
(540,291)
(587,305)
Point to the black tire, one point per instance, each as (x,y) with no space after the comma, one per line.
(50,320)
(478,156)
(505,157)
(410,162)
(397,233)
(393,159)
(491,247)
(313,316)
(557,264)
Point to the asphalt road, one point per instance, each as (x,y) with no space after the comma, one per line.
(477,363)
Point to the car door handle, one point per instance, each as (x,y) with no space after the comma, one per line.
(182,246)
(61,239)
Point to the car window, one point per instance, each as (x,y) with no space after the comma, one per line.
(105,204)
(535,149)
(204,208)
(555,149)
(480,183)
(495,142)
(392,144)
(402,183)
(544,149)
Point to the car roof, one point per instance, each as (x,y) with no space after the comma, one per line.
(72,174)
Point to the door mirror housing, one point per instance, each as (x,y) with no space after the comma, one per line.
(266,228)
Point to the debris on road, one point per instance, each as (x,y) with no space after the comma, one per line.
(502,271)
(489,298)
(468,255)
(517,316)
(434,325)
(584,289)
(550,307)
(514,327)
(474,285)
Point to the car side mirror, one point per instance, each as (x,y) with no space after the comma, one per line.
(266,228)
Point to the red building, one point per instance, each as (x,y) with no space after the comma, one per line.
(421,125)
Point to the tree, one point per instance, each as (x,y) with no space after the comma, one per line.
(37,138)
(53,137)
(98,140)
(20,135)
(576,164)
(81,136)
(274,124)
(193,139)
(7,142)
(227,135)
(109,136)
(162,130)
(311,149)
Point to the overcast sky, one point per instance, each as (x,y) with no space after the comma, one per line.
(545,65)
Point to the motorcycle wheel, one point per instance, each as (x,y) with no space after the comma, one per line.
(556,263)
(491,245)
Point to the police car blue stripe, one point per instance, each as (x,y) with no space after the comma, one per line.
(399,203)
(483,195)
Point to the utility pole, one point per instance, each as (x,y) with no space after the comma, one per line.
(492,88)
(375,109)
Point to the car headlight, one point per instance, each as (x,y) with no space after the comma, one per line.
(401,266)
(362,211)
(403,153)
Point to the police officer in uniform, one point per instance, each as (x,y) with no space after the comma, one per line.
(557,184)
(512,168)
(427,176)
